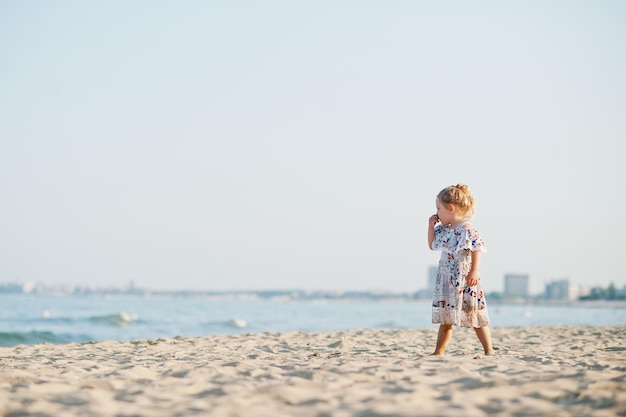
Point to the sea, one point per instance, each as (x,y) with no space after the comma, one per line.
(31,319)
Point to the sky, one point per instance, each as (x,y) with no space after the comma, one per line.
(300,145)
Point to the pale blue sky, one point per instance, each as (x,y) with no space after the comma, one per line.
(282,144)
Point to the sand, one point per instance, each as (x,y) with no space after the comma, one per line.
(538,371)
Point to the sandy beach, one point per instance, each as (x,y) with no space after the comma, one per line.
(538,371)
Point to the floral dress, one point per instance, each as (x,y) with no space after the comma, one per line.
(453,301)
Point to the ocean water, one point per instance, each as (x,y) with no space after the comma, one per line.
(29,319)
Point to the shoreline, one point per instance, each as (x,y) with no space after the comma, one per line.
(540,371)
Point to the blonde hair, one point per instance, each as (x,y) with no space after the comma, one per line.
(460,196)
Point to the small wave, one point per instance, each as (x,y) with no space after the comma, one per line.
(119,320)
(34,337)
(49,320)
(237,322)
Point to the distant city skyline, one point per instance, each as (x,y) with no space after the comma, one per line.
(516,288)
(256,145)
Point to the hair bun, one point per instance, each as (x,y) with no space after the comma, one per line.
(460,196)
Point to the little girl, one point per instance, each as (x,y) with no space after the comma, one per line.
(458,298)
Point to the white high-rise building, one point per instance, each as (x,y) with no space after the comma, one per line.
(559,290)
(516,285)
(432,278)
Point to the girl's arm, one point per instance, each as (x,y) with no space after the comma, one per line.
(432,221)
(472,277)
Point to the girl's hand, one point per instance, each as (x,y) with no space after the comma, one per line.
(432,221)
(472,279)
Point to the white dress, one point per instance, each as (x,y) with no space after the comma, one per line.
(454,302)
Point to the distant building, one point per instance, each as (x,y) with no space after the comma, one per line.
(584,291)
(559,290)
(432,278)
(17,287)
(516,285)
(11,288)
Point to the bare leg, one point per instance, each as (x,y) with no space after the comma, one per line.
(485,339)
(443,337)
